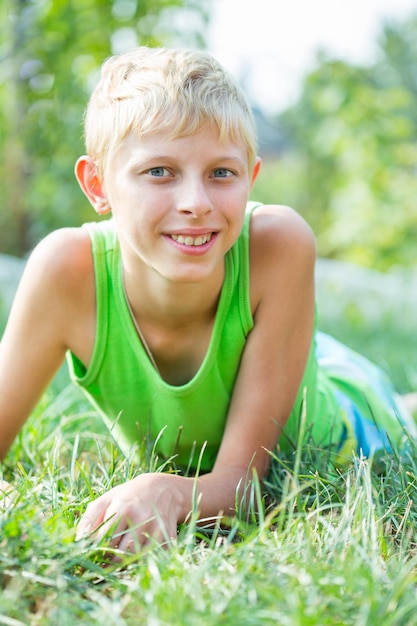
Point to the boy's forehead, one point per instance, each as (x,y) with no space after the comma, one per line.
(163,138)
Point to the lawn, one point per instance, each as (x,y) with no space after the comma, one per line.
(327,547)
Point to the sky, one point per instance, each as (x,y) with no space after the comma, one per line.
(269,45)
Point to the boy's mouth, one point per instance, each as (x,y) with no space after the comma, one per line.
(187,240)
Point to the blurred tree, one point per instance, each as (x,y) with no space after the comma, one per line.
(398,65)
(50,53)
(353,161)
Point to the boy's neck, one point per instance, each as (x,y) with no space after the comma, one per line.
(174,322)
(172,304)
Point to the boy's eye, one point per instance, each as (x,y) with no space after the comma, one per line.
(158,171)
(222,172)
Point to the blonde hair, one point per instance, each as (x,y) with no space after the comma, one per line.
(177,90)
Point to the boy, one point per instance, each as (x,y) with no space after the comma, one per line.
(189,317)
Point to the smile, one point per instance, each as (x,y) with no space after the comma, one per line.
(187,240)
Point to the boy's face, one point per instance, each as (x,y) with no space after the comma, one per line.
(178,204)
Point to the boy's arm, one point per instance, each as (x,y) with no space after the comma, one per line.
(282,293)
(41,321)
(282,277)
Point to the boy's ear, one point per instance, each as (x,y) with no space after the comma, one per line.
(86,174)
(255,171)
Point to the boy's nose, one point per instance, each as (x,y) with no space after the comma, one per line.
(194,200)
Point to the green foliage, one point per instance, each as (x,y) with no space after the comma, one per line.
(51,53)
(352,168)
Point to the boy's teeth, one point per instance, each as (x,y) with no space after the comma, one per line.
(192,241)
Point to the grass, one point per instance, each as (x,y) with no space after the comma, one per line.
(326,546)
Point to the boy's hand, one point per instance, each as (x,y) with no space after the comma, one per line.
(147,507)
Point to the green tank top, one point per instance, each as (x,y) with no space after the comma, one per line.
(139,407)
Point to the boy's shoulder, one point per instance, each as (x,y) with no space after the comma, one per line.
(64,255)
(280,227)
(59,243)
(282,252)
